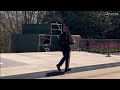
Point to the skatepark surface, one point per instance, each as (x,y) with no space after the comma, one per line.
(42,65)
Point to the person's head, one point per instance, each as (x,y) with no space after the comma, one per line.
(65,28)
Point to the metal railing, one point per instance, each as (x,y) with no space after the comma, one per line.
(100,45)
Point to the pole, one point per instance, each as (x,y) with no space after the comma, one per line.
(118,46)
(108,49)
(108,39)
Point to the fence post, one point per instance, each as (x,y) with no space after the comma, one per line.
(118,46)
(108,49)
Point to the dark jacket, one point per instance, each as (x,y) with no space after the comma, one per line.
(64,42)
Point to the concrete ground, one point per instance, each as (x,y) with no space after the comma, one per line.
(42,65)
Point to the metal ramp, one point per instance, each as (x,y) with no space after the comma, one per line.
(56,29)
(45,42)
(46,47)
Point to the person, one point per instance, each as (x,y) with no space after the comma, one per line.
(64,40)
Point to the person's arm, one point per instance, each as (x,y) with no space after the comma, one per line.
(63,39)
(71,41)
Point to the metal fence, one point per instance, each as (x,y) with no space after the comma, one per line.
(100,45)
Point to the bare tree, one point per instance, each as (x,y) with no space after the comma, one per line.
(11,23)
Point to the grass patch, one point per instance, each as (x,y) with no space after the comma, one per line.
(102,50)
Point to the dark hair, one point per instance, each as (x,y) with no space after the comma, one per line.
(65,22)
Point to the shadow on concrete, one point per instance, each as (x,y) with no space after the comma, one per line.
(49,73)
(54,74)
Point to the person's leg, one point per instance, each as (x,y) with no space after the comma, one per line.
(61,62)
(67,62)
(63,59)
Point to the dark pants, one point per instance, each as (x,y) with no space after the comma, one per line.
(66,57)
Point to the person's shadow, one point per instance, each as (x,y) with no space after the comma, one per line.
(55,73)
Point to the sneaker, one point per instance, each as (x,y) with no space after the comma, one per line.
(67,70)
(58,67)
